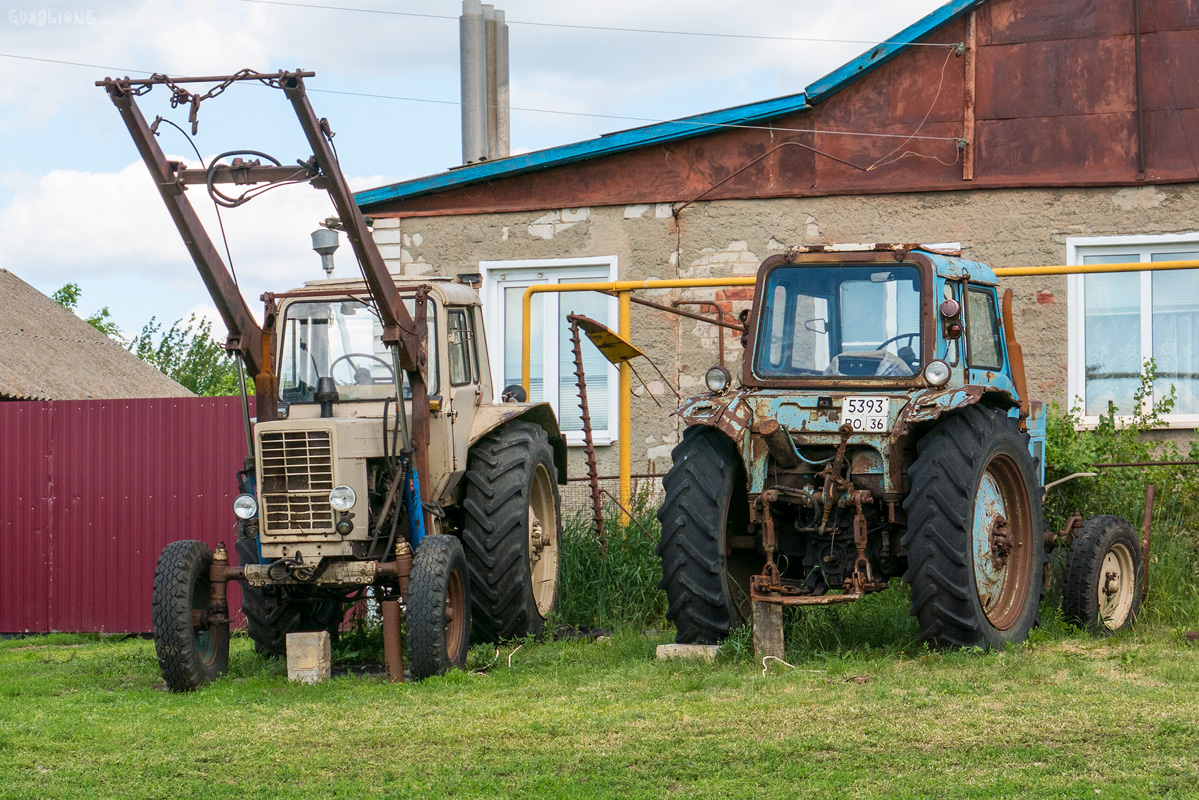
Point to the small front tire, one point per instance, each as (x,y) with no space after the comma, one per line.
(438,607)
(191,651)
(705,579)
(1104,576)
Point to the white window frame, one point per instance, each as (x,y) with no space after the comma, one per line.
(543,271)
(1147,245)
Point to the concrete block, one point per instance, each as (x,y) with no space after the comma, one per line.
(636,211)
(703,652)
(389,251)
(386,222)
(309,657)
(389,236)
(768,630)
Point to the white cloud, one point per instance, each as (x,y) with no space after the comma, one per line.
(113,227)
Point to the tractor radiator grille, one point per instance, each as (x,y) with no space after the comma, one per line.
(297,474)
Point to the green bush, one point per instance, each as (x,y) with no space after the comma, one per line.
(1174,564)
(619,588)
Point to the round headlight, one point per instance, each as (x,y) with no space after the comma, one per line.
(342,498)
(718,379)
(245,506)
(936,373)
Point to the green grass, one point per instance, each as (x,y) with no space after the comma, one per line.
(863,712)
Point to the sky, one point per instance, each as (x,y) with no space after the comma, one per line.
(76,202)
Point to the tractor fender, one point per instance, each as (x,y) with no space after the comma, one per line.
(928,406)
(729,413)
(489,417)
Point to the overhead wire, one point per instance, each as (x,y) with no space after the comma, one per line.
(625,118)
(608,28)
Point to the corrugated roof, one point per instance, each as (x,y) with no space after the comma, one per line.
(48,353)
(683,128)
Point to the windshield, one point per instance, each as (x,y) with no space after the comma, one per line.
(342,338)
(846,321)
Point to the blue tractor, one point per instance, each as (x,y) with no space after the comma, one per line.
(882,428)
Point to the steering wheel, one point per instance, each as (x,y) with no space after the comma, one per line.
(350,358)
(908,336)
(906,352)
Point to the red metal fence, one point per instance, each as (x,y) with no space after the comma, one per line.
(91,491)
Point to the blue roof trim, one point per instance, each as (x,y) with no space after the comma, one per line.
(579,151)
(880,54)
(675,129)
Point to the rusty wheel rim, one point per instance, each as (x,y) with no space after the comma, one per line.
(1117,587)
(455,616)
(205,643)
(1001,542)
(543,540)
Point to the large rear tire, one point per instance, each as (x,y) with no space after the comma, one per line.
(975,535)
(269,620)
(438,607)
(706,581)
(511,531)
(1104,576)
(191,653)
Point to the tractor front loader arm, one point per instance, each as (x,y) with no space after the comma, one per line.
(407,337)
(245,337)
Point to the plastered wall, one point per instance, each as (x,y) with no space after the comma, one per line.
(725,238)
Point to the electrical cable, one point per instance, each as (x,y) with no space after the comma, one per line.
(882,162)
(609,28)
(647,120)
(220,220)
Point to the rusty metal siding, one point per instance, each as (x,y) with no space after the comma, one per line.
(1054,105)
(93,490)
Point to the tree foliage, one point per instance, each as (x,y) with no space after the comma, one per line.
(68,297)
(187,353)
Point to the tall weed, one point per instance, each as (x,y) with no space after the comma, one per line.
(618,588)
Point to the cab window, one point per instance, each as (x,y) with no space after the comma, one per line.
(461,346)
(982,330)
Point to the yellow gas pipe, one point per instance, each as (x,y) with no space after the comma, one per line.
(622,289)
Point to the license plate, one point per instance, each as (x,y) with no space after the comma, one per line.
(866,414)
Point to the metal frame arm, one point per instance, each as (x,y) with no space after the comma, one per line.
(398,326)
(245,337)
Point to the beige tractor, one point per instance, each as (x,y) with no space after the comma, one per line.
(381,466)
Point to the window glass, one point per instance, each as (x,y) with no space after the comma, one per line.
(341,338)
(513,296)
(1112,312)
(552,369)
(1176,332)
(982,330)
(595,366)
(457,348)
(847,320)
